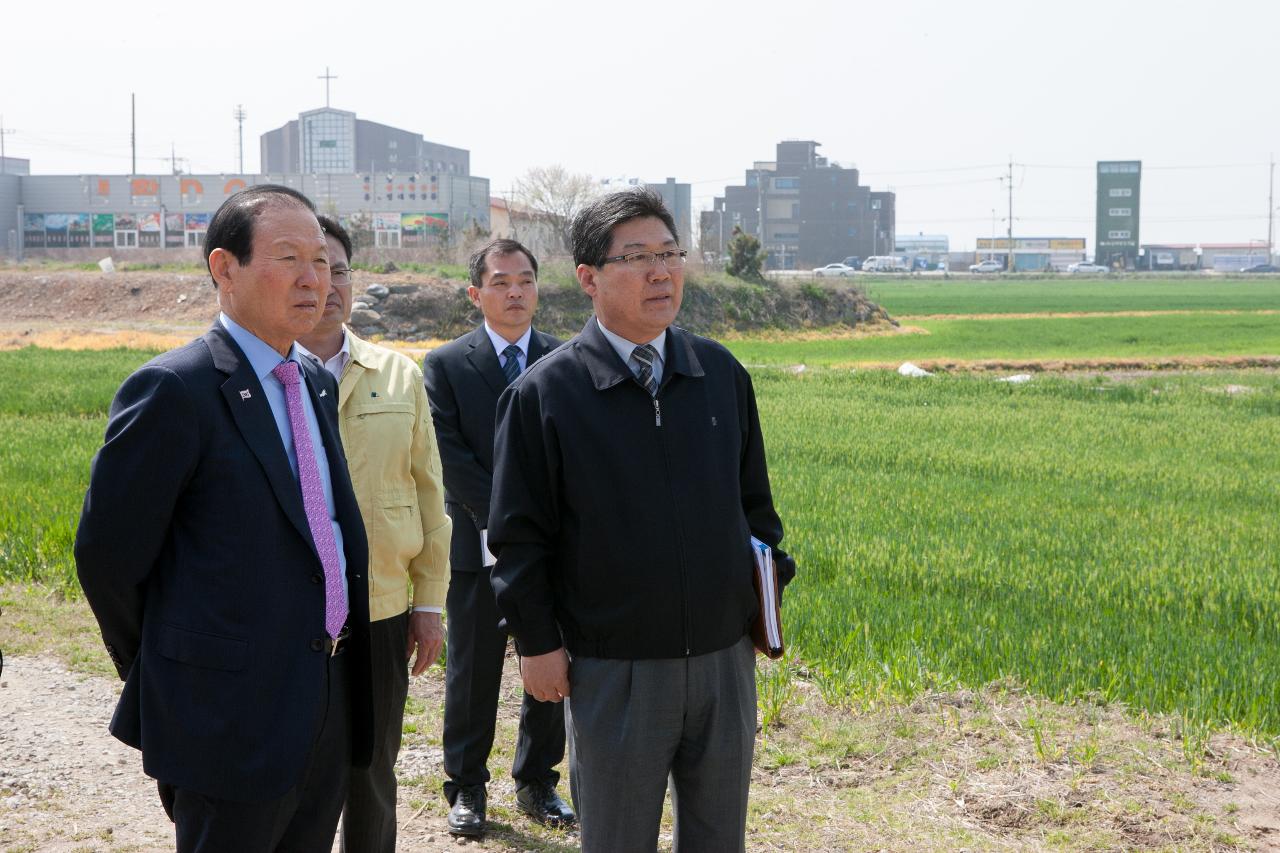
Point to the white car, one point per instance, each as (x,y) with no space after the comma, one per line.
(1083,267)
(834,269)
(989,265)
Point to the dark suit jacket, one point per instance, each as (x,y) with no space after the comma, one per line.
(463,381)
(194,552)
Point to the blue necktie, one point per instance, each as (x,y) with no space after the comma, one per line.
(511,369)
(644,357)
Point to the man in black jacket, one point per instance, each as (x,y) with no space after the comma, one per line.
(629,478)
(464,379)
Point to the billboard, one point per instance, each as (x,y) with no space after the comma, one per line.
(1117,217)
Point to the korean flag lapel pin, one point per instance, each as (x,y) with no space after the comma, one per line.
(245,395)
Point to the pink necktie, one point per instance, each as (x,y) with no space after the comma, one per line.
(335,602)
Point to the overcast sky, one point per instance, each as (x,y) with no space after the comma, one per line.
(930,99)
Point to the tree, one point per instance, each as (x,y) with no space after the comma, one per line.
(558,194)
(746,258)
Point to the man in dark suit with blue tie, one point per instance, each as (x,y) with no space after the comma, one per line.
(464,379)
(222,551)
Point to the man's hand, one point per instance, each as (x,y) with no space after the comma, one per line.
(546,677)
(426,635)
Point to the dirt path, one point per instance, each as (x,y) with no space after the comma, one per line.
(951,771)
(67,785)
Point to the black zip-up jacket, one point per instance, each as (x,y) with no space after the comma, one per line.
(622,521)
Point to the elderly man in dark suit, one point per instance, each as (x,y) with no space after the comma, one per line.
(222,551)
(464,379)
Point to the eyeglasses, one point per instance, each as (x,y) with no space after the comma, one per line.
(341,276)
(644,261)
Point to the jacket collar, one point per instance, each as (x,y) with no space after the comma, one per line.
(607,370)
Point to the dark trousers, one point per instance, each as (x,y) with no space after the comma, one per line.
(637,726)
(369,819)
(303,820)
(473,677)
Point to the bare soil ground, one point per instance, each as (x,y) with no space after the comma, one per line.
(993,769)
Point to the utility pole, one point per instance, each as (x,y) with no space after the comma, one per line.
(326,77)
(1010,265)
(4,133)
(760,204)
(1271,210)
(239,115)
(133,132)
(173,158)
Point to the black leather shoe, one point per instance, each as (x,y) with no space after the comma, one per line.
(467,815)
(541,802)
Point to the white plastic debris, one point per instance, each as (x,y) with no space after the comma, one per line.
(909,369)
(107,266)
(1016,379)
(796,368)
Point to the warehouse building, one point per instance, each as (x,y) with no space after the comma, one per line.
(1033,254)
(51,212)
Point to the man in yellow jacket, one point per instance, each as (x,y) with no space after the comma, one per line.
(386,429)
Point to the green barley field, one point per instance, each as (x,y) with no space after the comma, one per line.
(1081,536)
(960,294)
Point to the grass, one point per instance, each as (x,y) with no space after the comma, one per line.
(1123,337)
(53,408)
(1085,539)
(960,295)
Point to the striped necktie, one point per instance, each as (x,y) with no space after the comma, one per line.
(511,368)
(643,356)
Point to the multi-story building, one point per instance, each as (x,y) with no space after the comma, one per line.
(1119,186)
(679,200)
(331,141)
(814,211)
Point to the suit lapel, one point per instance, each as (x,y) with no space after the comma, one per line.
(252,416)
(537,348)
(485,361)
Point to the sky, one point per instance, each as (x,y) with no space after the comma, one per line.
(929,99)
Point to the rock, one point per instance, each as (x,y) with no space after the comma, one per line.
(1016,379)
(796,369)
(360,306)
(389,267)
(377,291)
(182,297)
(403,288)
(909,369)
(365,317)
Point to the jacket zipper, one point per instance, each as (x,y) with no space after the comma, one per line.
(684,574)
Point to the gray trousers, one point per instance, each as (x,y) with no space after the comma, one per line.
(632,725)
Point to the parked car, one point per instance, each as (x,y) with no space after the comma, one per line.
(834,269)
(1261,268)
(989,265)
(853,261)
(1083,267)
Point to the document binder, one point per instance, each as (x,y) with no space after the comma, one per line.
(766,630)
